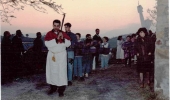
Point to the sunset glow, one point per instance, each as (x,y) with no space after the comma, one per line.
(84,15)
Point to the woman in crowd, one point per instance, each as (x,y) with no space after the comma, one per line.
(143,55)
(120,52)
(105,47)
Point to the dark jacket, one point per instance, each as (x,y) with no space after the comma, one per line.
(6,45)
(152,40)
(104,49)
(143,47)
(86,48)
(97,38)
(78,48)
(128,48)
(17,46)
(38,44)
(73,41)
(6,51)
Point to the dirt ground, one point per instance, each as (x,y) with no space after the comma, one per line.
(115,83)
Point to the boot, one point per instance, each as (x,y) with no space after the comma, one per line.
(52,89)
(61,90)
(69,83)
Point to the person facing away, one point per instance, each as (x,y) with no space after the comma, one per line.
(38,43)
(120,51)
(37,48)
(18,50)
(127,47)
(105,53)
(78,58)
(70,52)
(6,51)
(56,64)
(87,57)
(17,43)
(97,38)
(144,52)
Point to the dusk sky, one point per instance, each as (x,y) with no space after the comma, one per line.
(112,17)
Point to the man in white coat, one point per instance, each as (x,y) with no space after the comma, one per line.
(56,65)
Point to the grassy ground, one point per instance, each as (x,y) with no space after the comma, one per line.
(115,83)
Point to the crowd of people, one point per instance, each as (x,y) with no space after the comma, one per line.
(61,70)
(139,48)
(12,51)
(71,58)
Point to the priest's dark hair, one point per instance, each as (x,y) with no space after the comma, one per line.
(78,34)
(56,21)
(67,24)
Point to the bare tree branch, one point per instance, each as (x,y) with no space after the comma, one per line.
(10,6)
(153,14)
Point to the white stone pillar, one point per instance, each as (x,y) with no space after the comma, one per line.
(161,85)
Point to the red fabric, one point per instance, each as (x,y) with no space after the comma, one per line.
(51,35)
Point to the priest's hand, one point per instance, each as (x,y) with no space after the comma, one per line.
(60,35)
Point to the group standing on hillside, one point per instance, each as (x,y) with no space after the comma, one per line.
(71,58)
(139,48)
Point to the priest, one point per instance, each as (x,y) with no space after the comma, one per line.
(56,65)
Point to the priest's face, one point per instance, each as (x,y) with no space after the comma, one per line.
(56,26)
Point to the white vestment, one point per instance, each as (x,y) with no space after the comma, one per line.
(56,72)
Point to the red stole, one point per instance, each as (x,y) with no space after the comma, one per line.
(51,35)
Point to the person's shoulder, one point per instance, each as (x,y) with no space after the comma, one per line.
(14,38)
(72,33)
(95,35)
(49,32)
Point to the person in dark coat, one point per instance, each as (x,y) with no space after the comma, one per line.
(97,38)
(37,48)
(6,58)
(144,52)
(18,50)
(87,56)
